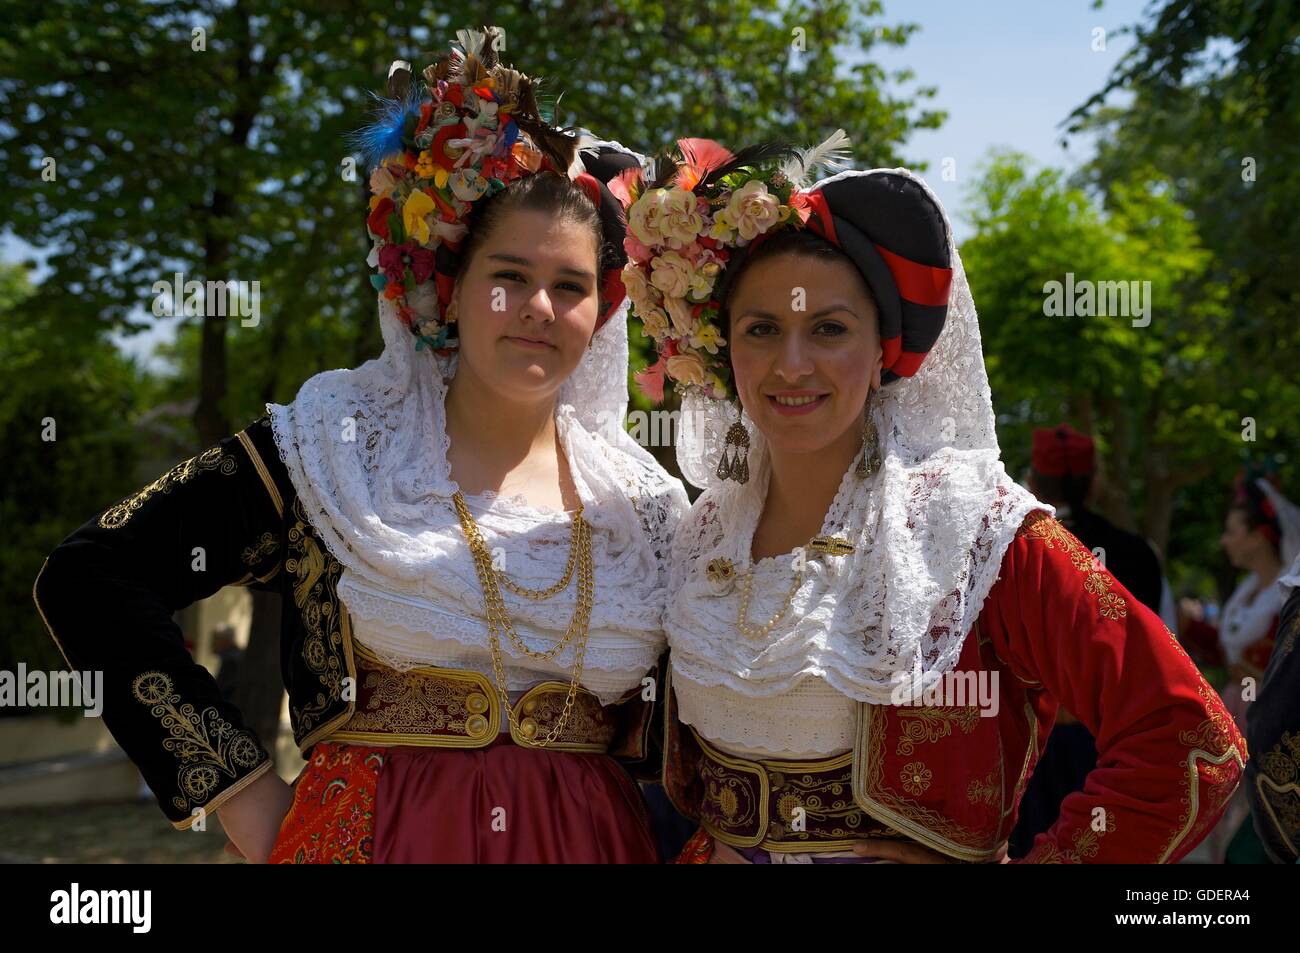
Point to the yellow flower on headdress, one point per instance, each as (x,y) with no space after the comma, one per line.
(708,338)
(414,210)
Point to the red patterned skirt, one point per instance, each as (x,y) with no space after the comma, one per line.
(500,804)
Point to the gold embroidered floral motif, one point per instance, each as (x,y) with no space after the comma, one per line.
(314,593)
(263,547)
(1039,525)
(1212,749)
(916,778)
(983,791)
(827,805)
(1085,841)
(912,818)
(1278,790)
(929,724)
(206,744)
(214,458)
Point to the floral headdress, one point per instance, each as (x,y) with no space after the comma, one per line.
(686,218)
(436,148)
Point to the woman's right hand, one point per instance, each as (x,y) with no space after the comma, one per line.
(252,818)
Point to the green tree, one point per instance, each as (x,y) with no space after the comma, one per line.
(206,137)
(1165,400)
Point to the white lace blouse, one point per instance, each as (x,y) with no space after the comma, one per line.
(367,451)
(531,545)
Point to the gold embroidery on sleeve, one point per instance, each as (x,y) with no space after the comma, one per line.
(1212,748)
(214,458)
(265,545)
(206,745)
(1085,848)
(1039,525)
(325,650)
(1277,788)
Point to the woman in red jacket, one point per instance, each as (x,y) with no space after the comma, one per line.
(871,625)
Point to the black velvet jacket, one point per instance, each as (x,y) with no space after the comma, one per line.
(226,517)
(1273,734)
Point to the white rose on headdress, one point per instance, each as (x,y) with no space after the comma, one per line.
(752,210)
(682,221)
(679,310)
(671,274)
(687,368)
(645,217)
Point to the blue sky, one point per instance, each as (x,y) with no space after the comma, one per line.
(1007,73)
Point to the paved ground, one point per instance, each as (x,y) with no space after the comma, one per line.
(132,832)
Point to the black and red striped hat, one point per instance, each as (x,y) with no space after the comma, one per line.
(894,231)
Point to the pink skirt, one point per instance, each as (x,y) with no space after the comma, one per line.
(499,804)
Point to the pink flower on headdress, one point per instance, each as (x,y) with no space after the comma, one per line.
(393,260)
(635,248)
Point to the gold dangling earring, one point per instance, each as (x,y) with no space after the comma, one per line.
(451,312)
(869,462)
(738,467)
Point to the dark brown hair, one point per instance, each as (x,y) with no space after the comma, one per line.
(546,192)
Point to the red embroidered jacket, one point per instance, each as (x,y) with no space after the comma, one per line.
(1058,630)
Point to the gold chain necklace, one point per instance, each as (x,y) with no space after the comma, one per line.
(826,545)
(498,618)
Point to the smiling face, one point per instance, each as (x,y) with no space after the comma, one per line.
(527,303)
(804,375)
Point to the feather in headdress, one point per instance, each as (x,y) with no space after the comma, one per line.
(699,158)
(558,145)
(831,155)
(386,134)
(472,63)
(755,155)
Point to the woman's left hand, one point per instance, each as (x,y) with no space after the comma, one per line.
(907,852)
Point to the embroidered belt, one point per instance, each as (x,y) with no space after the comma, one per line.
(456,708)
(784,806)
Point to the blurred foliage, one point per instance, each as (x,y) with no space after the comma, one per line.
(67,425)
(1164,401)
(227,163)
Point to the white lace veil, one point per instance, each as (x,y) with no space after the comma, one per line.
(931,529)
(366,450)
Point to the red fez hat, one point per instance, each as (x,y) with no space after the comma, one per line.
(1063,451)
